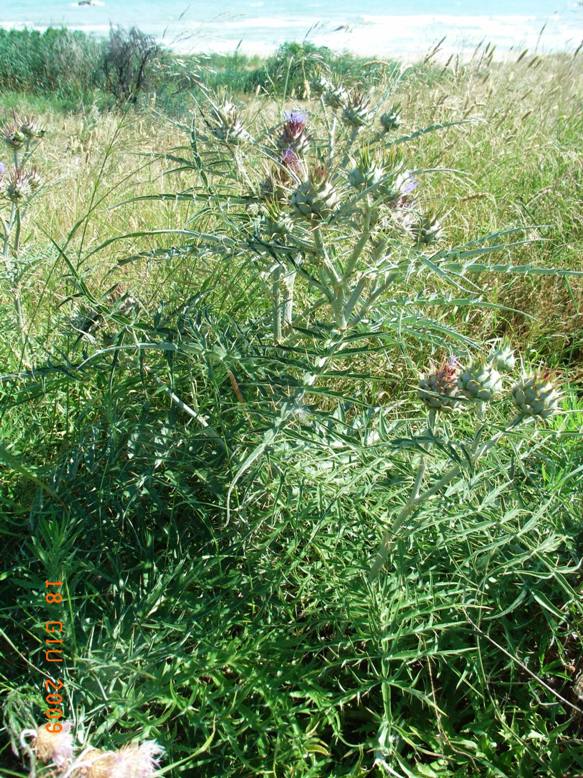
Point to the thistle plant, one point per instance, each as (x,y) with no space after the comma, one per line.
(18,184)
(391,119)
(225,124)
(450,387)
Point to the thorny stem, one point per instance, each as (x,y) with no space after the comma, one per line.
(289,281)
(338,296)
(332,140)
(241,167)
(361,243)
(10,257)
(276,295)
(346,157)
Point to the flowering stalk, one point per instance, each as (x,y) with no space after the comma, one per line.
(533,396)
(417,498)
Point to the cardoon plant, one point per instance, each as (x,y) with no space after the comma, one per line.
(19,182)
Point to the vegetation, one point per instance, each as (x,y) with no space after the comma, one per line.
(258,416)
(78,69)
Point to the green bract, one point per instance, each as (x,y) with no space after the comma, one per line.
(536,396)
(480,382)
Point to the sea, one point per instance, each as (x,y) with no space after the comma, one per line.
(404,29)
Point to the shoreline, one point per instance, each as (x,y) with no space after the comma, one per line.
(403,37)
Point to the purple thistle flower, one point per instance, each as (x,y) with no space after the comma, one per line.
(296,119)
(2,168)
(294,129)
(409,185)
(291,161)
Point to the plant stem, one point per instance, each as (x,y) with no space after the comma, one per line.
(276,297)
(416,499)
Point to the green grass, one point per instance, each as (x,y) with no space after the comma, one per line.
(214,513)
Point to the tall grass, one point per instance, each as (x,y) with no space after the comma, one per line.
(215,512)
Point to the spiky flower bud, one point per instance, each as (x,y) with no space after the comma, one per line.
(291,162)
(536,396)
(18,185)
(226,125)
(277,185)
(294,135)
(275,223)
(502,358)
(30,127)
(357,110)
(366,172)
(317,197)
(426,229)
(34,180)
(320,85)
(480,382)
(391,119)
(335,95)
(13,137)
(437,390)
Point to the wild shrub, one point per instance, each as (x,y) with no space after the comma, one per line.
(130,60)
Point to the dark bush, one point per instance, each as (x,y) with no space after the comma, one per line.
(130,63)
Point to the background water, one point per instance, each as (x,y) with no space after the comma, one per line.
(379,27)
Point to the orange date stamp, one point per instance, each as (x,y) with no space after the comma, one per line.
(54,650)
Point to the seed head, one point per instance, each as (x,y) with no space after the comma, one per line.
(54,747)
(131,761)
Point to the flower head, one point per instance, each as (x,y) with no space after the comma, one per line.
(438,389)
(293,134)
(295,121)
(13,136)
(131,761)
(480,382)
(536,396)
(55,747)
